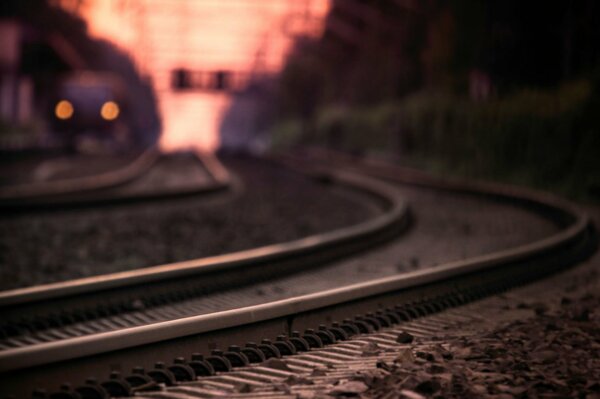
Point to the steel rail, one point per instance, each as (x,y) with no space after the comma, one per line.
(114,340)
(561,210)
(573,236)
(84,183)
(396,213)
(105,188)
(215,168)
(136,336)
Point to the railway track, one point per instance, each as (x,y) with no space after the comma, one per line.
(361,307)
(139,179)
(64,312)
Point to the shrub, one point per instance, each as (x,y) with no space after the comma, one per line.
(545,138)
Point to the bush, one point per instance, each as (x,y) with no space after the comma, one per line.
(286,134)
(545,138)
(358,129)
(534,137)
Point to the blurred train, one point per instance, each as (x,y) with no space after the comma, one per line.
(92,107)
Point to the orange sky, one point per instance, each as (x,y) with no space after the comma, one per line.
(204,34)
(239,35)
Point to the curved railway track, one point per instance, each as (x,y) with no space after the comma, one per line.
(121,184)
(361,307)
(70,185)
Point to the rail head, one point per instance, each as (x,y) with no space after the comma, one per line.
(567,211)
(66,186)
(148,334)
(135,336)
(396,212)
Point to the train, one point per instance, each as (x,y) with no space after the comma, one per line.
(97,107)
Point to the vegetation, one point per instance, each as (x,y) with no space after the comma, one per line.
(545,138)
(492,90)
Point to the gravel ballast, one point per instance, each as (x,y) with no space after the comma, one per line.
(554,354)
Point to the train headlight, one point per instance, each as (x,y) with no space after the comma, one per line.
(109,111)
(63,110)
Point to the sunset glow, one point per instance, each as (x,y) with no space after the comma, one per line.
(252,37)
